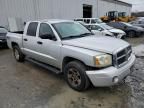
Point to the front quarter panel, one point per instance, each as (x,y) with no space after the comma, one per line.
(84,55)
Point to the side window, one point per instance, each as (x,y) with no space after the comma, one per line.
(84,20)
(121,25)
(45,31)
(134,22)
(113,24)
(116,25)
(32,28)
(88,21)
(140,22)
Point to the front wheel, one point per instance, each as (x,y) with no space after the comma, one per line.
(75,75)
(19,56)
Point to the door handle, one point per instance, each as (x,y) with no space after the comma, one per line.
(25,40)
(39,42)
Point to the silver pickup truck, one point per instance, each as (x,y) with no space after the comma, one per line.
(68,47)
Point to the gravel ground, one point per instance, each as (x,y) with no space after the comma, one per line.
(136,40)
(26,85)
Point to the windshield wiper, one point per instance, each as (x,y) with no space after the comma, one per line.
(77,36)
(86,34)
(71,37)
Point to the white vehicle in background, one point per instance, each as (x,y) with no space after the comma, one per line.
(105,30)
(89,20)
(96,30)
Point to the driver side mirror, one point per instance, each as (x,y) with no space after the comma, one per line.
(48,36)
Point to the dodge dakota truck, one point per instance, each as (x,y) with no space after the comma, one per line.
(67,47)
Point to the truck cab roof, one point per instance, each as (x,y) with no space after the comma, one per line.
(52,21)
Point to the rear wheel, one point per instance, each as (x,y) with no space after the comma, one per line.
(75,75)
(19,56)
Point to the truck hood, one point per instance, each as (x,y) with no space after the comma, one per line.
(97,43)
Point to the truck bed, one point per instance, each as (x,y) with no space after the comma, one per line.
(14,37)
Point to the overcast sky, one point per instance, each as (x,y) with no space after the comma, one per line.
(138,5)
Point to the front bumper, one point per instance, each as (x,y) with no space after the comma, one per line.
(104,77)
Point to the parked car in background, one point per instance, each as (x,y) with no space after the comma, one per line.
(89,20)
(139,19)
(3,32)
(106,30)
(68,47)
(131,31)
(139,23)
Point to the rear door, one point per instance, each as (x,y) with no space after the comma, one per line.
(30,40)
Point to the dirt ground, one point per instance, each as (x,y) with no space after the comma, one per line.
(26,85)
(136,40)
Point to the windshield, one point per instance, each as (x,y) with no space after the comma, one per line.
(105,26)
(71,30)
(128,24)
(96,21)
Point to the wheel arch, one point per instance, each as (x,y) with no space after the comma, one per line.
(14,44)
(68,59)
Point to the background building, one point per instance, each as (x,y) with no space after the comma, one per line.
(59,9)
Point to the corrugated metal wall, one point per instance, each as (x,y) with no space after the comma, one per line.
(16,8)
(105,6)
(59,9)
(62,9)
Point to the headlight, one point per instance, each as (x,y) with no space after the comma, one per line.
(103,60)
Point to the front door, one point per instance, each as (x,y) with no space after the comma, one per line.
(48,45)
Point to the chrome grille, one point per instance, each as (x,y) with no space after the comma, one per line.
(123,56)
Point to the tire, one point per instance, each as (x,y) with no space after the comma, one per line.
(131,34)
(75,76)
(19,56)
